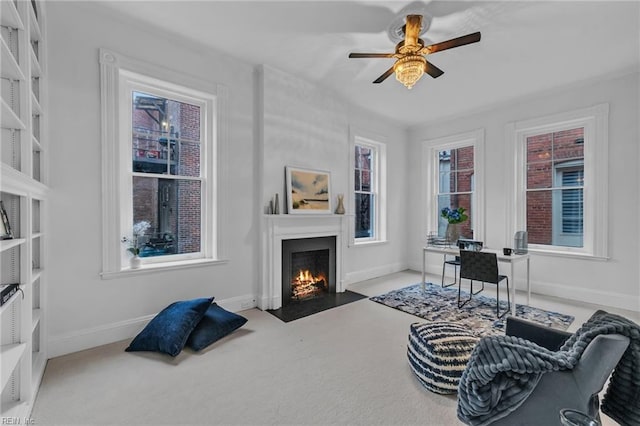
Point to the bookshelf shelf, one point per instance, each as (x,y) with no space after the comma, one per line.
(24,193)
(11,356)
(35,105)
(9,16)
(10,302)
(36,71)
(10,119)
(35,318)
(34,26)
(10,67)
(35,274)
(7,244)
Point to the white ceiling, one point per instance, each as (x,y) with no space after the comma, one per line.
(526,47)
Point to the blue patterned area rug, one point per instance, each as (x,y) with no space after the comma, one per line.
(435,303)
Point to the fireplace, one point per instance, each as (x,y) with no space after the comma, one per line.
(308,268)
(279,228)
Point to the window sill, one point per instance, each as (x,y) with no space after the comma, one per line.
(161,267)
(368,243)
(567,254)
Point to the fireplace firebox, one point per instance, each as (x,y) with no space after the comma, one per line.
(308,268)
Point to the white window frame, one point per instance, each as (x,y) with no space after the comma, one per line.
(131,82)
(379,187)
(119,76)
(595,121)
(431,179)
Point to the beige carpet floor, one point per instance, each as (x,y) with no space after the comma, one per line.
(347,365)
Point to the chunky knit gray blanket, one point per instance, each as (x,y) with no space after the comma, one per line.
(504,370)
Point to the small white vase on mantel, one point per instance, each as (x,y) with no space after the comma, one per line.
(340,207)
(135,262)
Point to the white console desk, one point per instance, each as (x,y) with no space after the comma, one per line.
(512,260)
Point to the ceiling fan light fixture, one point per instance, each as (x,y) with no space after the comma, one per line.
(409,69)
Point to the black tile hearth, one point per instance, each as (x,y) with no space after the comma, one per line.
(297,310)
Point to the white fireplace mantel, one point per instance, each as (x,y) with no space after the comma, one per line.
(280,227)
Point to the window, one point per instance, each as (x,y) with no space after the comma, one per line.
(568,205)
(561,188)
(454,179)
(456,186)
(166,180)
(365,196)
(554,187)
(369,190)
(161,155)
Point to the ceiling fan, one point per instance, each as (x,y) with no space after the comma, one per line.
(410,54)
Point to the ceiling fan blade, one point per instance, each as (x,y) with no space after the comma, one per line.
(384,76)
(371,55)
(432,70)
(454,42)
(412,30)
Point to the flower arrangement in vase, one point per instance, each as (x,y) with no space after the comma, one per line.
(139,230)
(454,218)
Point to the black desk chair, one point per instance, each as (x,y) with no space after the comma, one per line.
(456,263)
(482,266)
(463,244)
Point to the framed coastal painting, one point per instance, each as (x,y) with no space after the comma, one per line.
(308,191)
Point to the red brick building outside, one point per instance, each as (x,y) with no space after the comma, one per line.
(459,163)
(364,207)
(545,154)
(166,141)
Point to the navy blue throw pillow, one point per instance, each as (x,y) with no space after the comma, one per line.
(216,323)
(168,331)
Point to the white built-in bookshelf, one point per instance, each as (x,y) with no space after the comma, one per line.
(23,191)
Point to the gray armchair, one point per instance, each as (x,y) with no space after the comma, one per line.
(575,388)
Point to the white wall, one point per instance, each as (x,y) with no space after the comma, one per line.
(614,282)
(84,310)
(369,261)
(304,126)
(307,126)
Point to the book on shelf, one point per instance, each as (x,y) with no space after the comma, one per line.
(6,291)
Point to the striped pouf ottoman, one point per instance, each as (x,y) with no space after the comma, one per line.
(438,354)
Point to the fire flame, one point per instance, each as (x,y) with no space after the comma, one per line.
(305,284)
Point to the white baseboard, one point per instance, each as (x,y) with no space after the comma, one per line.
(367,274)
(596,297)
(239,303)
(88,338)
(592,296)
(265,303)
